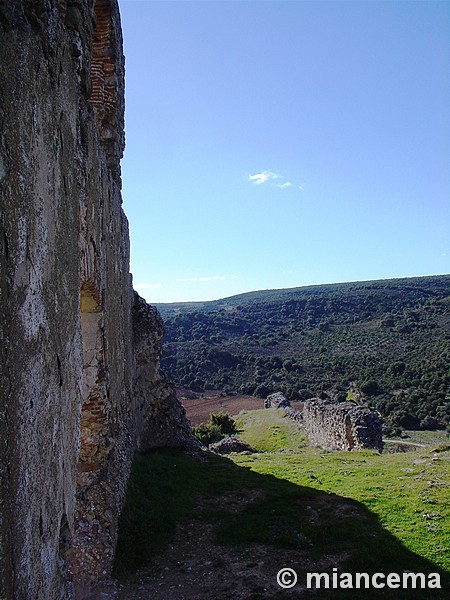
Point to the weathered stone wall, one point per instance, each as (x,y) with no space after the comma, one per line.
(160,417)
(343,426)
(47,144)
(69,420)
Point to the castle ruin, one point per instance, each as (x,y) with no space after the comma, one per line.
(81,387)
(342,426)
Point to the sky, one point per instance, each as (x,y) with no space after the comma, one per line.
(275,144)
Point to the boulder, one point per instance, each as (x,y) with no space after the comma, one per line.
(230,444)
(276,400)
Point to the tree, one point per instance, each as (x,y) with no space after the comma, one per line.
(370,387)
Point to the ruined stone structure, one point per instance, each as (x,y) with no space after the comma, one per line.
(78,372)
(159,416)
(334,426)
(343,426)
(276,400)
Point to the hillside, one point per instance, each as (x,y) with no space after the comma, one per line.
(383,341)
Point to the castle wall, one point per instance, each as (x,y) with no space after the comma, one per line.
(160,417)
(343,426)
(69,417)
(43,187)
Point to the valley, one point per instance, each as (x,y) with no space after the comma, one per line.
(382,342)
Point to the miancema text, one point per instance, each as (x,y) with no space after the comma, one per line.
(377,580)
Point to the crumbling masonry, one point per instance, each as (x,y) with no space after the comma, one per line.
(334,425)
(80,382)
(342,426)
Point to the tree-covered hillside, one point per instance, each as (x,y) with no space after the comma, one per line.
(383,341)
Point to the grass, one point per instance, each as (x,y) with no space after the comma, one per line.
(425,437)
(409,500)
(408,492)
(376,513)
(268,430)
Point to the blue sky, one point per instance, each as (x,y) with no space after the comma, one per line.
(275,144)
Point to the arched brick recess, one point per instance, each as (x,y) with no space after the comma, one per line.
(94,392)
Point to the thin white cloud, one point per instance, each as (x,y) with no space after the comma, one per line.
(148,286)
(284,185)
(263,177)
(271,178)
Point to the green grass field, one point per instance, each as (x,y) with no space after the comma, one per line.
(374,513)
(269,430)
(408,492)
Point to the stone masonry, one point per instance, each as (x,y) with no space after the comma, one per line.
(343,426)
(334,426)
(80,380)
(160,419)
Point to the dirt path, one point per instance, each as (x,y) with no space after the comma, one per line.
(406,443)
(194,567)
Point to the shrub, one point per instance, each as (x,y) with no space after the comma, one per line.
(219,426)
(370,388)
(429,422)
(207,433)
(226,423)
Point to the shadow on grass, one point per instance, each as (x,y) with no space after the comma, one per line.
(168,487)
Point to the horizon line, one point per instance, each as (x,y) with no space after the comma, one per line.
(297,287)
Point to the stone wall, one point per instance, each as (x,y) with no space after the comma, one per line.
(69,417)
(160,417)
(343,426)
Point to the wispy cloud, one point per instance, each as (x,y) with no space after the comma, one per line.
(272,178)
(147,286)
(286,184)
(263,177)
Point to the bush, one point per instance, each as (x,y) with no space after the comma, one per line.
(429,422)
(219,426)
(207,433)
(370,388)
(226,424)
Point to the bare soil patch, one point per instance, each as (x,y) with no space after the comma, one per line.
(199,406)
(195,567)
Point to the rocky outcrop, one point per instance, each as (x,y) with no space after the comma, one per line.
(230,444)
(71,412)
(276,400)
(343,426)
